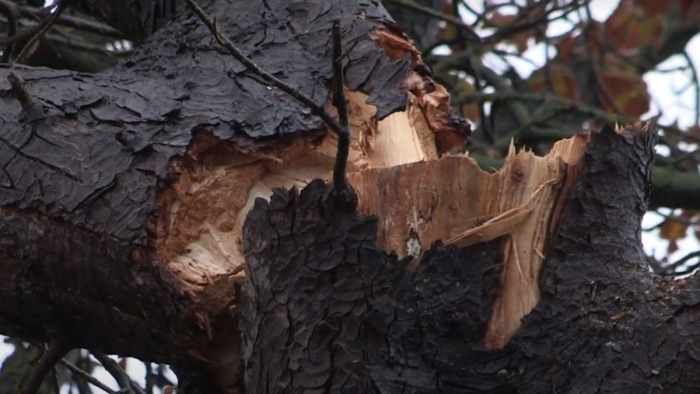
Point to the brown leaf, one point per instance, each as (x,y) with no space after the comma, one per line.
(471,112)
(628,91)
(654,7)
(563,81)
(629,27)
(673,230)
(499,20)
(672,247)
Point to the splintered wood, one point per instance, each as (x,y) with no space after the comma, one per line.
(453,200)
(197,231)
(402,171)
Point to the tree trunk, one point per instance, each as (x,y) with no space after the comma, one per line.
(123,197)
(323,308)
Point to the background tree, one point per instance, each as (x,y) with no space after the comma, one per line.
(593,75)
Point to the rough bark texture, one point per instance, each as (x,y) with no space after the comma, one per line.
(86,162)
(324,310)
(84,157)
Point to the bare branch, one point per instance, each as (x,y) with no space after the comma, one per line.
(343,190)
(86,376)
(10,11)
(122,378)
(44,28)
(472,36)
(267,77)
(53,354)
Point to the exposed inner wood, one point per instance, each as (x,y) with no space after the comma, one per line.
(403,176)
(201,215)
(453,200)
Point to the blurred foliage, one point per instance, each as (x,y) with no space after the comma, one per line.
(592,72)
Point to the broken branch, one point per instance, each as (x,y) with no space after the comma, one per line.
(56,351)
(340,182)
(42,30)
(86,376)
(122,378)
(10,11)
(341,129)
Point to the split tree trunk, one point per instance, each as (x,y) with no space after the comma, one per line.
(124,198)
(324,308)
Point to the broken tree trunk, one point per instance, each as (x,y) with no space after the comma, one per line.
(124,198)
(327,307)
(123,194)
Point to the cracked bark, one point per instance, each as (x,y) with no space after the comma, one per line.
(123,196)
(324,308)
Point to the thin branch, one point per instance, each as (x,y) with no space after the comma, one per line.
(340,182)
(149,378)
(565,104)
(671,218)
(84,46)
(56,383)
(27,34)
(10,11)
(53,354)
(42,31)
(31,110)
(520,24)
(342,189)
(122,378)
(472,36)
(73,21)
(696,83)
(86,376)
(669,269)
(267,77)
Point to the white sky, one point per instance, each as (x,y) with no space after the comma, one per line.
(663,88)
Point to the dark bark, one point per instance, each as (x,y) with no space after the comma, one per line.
(83,158)
(325,310)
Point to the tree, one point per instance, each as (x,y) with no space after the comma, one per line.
(129,213)
(594,74)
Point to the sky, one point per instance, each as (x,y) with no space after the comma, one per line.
(663,88)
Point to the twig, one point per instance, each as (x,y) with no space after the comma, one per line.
(53,354)
(73,21)
(21,36)
(563,103)
(669,268)
(122,378)
(340,182)
(696,83)
(521,22)
(473,37)
(56,383)
(42,31)
(84,46)
(149,378)
(671,218)
(10,11)
(267,77)
(31,111)
(86,376)
(342,189)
